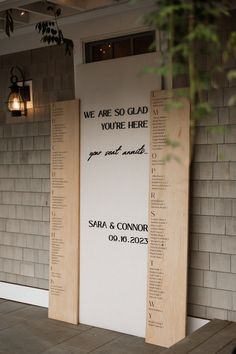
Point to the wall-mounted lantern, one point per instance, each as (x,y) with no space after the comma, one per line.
(19,95)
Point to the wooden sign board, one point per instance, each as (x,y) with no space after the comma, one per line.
(168,221)
(64,222)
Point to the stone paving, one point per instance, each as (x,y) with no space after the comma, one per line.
(25,329)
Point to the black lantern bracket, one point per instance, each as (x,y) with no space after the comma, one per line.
(27,88)
(21,96)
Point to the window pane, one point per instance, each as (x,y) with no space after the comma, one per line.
(102,51)
(142,44)
(119,47)
(88,53)
(122,48)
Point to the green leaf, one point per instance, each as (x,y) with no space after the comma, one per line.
(231,75)
(205,33)
(9,24)
(172,143)
(174,104)
(69,46)
(169,157)
(38,27)
(232,101)
(58,12)
(182,49)
(183,92)
(218,129)
(202,110)
(50,8)
(53,31)
(60,36)
(162,70)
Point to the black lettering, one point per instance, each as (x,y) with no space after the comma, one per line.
(104,113)
(89,114)
(113,152)
(139,151)
(113,125)
(138,124)
(119,112)
(94,153)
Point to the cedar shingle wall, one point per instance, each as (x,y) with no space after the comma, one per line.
(25,165)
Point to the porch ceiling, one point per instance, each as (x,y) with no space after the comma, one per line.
(28,12)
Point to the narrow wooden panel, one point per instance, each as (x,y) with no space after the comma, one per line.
(168,221)
(64,222)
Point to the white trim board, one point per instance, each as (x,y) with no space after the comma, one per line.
(25,294)
(194,323)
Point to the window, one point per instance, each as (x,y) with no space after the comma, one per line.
(119,47)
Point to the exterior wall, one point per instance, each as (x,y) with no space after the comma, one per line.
(212,261)
(25,165)
(212,257)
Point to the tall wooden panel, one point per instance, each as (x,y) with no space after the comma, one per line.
(64,222)
(168,221)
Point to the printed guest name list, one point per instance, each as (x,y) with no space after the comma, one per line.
(168,221)
(64,220)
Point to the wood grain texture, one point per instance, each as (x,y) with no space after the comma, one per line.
(168,221)
(64,219)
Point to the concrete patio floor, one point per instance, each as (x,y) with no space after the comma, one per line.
(25,329)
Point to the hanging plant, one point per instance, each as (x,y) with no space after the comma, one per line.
(51,33)
(49,30)
(9,23)
(190,30)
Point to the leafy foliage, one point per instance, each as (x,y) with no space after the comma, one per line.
(9,24)
(189,31)
(49,30)
(51,33)
(230,52)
